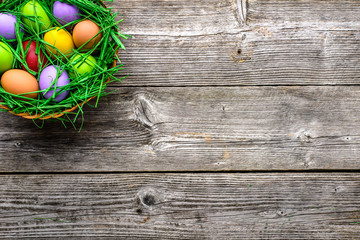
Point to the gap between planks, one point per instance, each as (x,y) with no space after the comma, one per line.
(185,172)
(235,86)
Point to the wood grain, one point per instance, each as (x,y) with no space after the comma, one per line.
(201,43)
(196,129)
(181,206)
(232,85)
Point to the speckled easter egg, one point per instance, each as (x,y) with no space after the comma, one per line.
(6,59)
(65,13)
(49,78)
(84,31)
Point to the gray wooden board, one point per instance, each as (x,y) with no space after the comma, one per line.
(284,42)
(181,206)
(196,129)
(200,59)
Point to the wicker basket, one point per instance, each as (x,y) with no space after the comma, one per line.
(59,114)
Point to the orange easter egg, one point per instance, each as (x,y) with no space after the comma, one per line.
(18,81)
(83,32)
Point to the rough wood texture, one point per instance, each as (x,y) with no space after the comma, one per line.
(284,42)
(181,206)
(185,107)
(206,128)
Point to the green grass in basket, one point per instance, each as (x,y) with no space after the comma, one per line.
(81,87)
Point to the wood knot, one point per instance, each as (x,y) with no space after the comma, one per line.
(148,198)
(145,113)
(305,136)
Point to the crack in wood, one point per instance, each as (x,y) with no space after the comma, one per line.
(242,10)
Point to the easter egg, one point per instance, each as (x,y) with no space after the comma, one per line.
(83,32)
(53,76)
(32,59)
(33,9)
(18,81)
(65,13)
(82,64)
(7,26)
(60,41)
(6,59)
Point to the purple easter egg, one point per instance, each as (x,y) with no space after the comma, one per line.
(48,78)
(7,26)
(65,13)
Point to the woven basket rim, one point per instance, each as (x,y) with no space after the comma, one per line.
(62,113)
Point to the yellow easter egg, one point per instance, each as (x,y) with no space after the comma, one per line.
(60,42)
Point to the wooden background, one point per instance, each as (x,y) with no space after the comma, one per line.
(240,120)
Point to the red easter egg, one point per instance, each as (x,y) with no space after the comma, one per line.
(32,58)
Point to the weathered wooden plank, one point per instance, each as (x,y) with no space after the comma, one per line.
(211,17)
(181,206)
(196,128)
(284,42)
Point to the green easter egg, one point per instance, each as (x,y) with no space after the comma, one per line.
(34,9)
(82,64)
(6,59)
